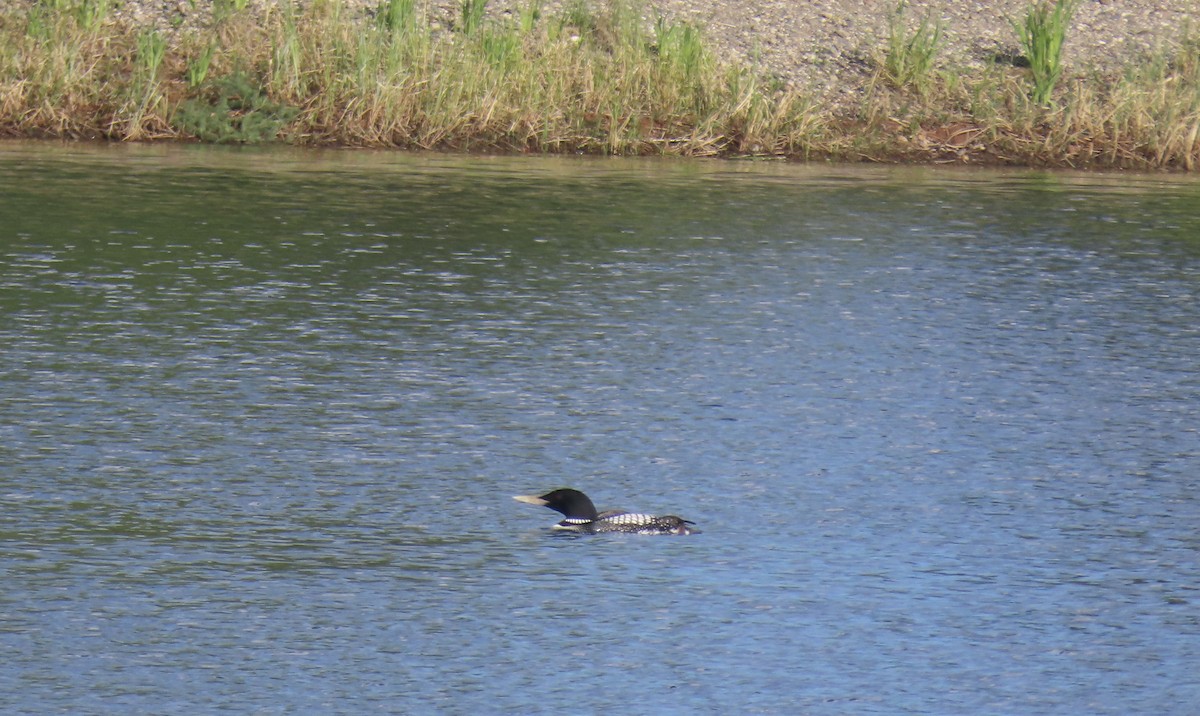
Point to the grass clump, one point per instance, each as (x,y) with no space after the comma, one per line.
(910,55)
(145,91)
(197,67)
(1041,34)
(472,15)
(397,16)
(681,48)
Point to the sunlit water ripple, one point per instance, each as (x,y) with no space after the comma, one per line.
(263,413)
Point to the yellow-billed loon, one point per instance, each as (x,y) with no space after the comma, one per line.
(581,516)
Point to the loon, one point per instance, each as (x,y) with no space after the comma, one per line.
(581,516)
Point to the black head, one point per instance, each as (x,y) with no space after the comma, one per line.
(571,503)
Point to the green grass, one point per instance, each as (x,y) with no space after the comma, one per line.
(398,16)
(911,55)
(472,15)
(1041,34)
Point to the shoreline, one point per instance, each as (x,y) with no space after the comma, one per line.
(769,78)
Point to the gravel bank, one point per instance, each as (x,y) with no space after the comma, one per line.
(825,46)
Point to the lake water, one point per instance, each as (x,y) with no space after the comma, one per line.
(263,413)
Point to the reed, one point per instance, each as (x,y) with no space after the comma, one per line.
(1041,34)
(910,55)
(398,16)
(472,15)
(146,102)
(197,65)
(89,14)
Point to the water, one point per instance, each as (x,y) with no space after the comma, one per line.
(263,413)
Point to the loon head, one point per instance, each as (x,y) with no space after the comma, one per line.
(573,504)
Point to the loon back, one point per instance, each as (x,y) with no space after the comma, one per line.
(579,515)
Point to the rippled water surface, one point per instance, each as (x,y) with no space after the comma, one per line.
(262,414)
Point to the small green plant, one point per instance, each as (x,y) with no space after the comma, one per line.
(578,16)
(529,15)
(39,24)
(501,47)
(681,48)
(90,13)
(151,50)
(911,55)
(235,109)
(397,16)
(225,9)
(145,90)
(287,55)
(472,15)
(1041,34)
(623,24)
(197,68)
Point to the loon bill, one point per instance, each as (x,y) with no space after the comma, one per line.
(580,515)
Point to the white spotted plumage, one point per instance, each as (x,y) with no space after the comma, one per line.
(638,523)
(630,518)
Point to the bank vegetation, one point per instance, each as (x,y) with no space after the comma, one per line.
(591,78)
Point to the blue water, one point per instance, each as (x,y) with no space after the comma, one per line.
(262,414)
